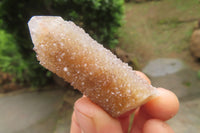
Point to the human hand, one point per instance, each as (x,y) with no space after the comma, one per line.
(149,118)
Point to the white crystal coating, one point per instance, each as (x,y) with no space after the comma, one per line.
(65,49)
(65,69)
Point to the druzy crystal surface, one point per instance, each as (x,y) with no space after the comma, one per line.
(65,49)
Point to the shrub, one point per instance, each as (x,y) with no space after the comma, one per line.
(100,18)
(10,59)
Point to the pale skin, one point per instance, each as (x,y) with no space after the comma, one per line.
(87,117)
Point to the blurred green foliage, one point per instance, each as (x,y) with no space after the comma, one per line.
(10,59)
(12,62)
(100,18)
(198,74)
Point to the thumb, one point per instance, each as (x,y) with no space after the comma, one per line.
(92,119)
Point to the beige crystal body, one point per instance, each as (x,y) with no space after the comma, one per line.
(65,49)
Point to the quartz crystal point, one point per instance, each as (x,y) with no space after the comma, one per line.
(65,49)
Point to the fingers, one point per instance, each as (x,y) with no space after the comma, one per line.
(125,121)
(139,119)
(92,119)
(156,126)
(162,107)
(75,128)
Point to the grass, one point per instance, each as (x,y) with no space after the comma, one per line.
(186,83)
(186,5)
(159,29)
(198,74)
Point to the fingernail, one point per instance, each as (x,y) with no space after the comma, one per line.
(85,122)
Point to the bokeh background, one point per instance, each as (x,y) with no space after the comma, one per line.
(159,37)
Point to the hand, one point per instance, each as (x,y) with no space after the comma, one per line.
(149,118)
